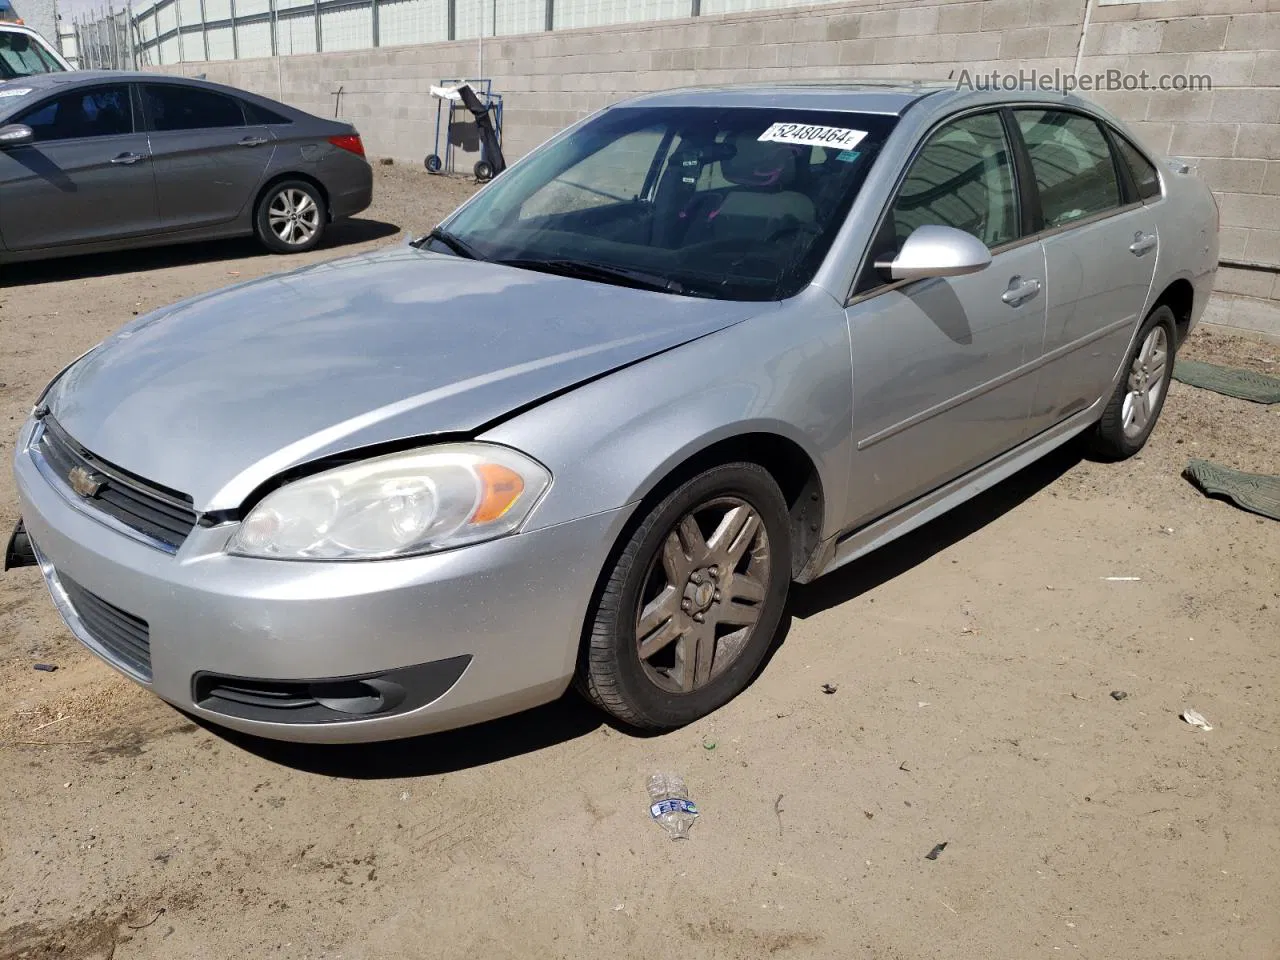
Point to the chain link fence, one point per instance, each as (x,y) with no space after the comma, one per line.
(105,41)
(180,31)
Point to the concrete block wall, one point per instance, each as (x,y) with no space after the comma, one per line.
(40,16)
(1232,132)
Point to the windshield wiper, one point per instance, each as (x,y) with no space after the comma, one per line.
(603,272)
(454,243)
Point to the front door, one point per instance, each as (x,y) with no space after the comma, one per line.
(208,161)
(937,384)
(1101,255)
(87,176)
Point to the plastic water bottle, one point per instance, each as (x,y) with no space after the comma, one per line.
(670,805)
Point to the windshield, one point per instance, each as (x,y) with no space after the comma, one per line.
(21,55)
(732,203)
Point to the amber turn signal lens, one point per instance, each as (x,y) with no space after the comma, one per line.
(502,488)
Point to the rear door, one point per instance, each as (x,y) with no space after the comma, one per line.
(209,161)
(87,177)
(1100,245)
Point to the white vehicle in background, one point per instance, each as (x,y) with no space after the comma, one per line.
(24,52)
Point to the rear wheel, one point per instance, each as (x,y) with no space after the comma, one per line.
(291,217)
(692,602)
(1135,407)
(432,163)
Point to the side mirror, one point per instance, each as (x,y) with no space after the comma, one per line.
(937,251)
(15,135)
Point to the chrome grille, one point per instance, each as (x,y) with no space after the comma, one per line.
(123,638)
(161,515)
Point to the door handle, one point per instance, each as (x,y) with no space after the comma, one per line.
(128,158)
(1020,291)
(1143,243)
(253,141)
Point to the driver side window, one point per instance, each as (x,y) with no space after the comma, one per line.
(963,178)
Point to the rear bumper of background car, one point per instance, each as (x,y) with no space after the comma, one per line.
(304,650)
(349,182)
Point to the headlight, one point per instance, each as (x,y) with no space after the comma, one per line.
(398,505)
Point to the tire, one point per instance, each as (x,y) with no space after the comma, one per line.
(483,171)
(282,201)
(675,683)
(1123,429)
(432,163)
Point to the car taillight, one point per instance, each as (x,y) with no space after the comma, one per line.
(350,142)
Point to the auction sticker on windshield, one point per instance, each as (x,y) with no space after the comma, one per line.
(810,135)
(20,92)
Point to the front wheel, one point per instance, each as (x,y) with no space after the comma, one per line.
(291,217)
(690,606)
(1134,408)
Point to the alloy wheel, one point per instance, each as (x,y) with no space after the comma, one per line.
(294,216)
(703,594)
(1146,382)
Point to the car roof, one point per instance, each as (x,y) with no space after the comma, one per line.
(891,97)
(40,84)
(41,80)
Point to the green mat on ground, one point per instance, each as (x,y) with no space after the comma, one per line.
(1244,384)
(1255,492)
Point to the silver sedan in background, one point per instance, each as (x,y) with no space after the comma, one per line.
(93,161)
(700,346)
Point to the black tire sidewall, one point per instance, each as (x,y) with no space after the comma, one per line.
(1112,441)
(263,228)
(654,706)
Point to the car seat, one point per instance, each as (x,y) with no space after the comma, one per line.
(762,197)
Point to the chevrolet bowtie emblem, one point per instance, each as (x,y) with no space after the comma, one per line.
(85,483)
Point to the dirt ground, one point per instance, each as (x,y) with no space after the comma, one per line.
(973,664)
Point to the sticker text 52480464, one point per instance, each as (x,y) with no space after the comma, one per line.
(811,135)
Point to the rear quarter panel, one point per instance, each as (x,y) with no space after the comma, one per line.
(303,148)
(1187,221)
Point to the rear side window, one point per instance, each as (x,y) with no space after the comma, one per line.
(1144,172)
(98,112)
(258,115)
(189,108)
(1072,163)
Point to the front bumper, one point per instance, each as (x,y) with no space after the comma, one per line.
(507,614)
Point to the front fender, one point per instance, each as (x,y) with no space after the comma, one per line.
(610,442)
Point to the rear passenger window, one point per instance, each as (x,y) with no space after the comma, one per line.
(1144,173)
(257,115)
(962,178)
(1072,163)
(189,108)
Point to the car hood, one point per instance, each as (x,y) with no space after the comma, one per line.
(217,394)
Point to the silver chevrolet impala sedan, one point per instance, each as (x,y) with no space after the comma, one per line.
(701,345)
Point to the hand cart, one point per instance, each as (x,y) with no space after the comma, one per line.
(485,106)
